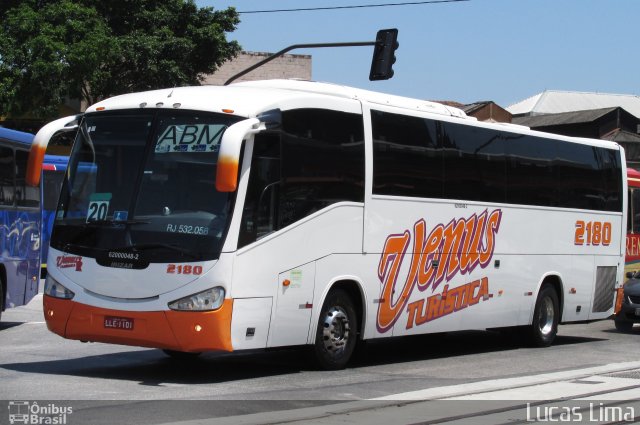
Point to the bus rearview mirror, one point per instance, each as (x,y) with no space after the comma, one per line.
(229,154)
(40,143)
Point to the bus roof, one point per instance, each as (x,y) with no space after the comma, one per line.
(252,97)
(16,136)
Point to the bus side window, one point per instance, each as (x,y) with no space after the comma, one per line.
(260,215)
(322,161)
(317,160)
(26,196)
(407,156)
(7,168)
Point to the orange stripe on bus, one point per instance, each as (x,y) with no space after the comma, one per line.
(226,174)
(174,330)
(34,165)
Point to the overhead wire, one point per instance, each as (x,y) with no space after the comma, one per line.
(362,6)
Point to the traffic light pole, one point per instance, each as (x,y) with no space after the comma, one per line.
(297,46)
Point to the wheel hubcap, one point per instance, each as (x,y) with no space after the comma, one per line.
(336,330)
(546,316)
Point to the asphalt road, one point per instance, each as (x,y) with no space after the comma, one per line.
(117,384)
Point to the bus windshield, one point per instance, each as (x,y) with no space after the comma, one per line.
(145,183)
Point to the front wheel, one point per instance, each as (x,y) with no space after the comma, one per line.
(337,331)
(546,316)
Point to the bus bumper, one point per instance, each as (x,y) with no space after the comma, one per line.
(174,330)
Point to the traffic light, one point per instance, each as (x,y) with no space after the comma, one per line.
(383,55)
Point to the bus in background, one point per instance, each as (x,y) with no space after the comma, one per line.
(281,213)
(632,259)
(53,171)
(19,222)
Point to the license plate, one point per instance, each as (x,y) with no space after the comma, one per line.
(637,311)
(113,322)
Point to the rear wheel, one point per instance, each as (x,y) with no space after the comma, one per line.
(546,316)
(623,326)
(336,334)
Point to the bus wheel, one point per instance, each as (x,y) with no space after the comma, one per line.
(337,331)
(623,326)
(1,296)
(181,355)
(546,316)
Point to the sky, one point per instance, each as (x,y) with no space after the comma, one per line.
(476,50)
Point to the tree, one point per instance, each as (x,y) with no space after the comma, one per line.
(51,50)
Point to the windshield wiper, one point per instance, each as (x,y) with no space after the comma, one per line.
(151,246)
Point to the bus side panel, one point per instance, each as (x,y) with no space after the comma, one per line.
(581,275)
(20,250)
(337,270)
(260,269)
(446,266)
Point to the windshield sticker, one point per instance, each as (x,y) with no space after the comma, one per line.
(98,206)
(120,215)
(66,261)
(190,138)
(187,229)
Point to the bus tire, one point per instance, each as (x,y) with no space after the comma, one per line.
(336,335)
(623,326)
(1,294)
(546,315)
(181,355)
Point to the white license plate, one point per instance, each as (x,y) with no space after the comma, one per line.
(118,323)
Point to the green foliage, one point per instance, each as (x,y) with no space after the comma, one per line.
(51,50)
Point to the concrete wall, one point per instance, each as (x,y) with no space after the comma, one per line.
(287,66)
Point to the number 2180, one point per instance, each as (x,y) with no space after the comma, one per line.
(184,269)
(593,233)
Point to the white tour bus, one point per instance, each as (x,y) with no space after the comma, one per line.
(280,213)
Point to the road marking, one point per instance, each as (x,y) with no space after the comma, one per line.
(440,393)
(492,401)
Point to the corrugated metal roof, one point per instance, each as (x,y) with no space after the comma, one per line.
(557,101)
(576,117)
(618,136)
(472,107)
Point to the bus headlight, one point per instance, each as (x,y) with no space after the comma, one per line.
(210,299)
(53,288)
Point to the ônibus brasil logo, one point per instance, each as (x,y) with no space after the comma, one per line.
(31,413)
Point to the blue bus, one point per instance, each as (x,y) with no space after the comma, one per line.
(20,222)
